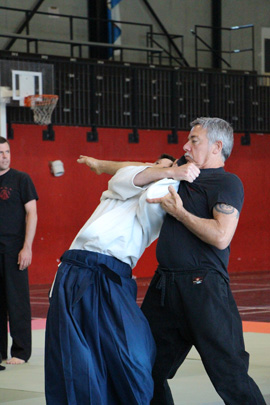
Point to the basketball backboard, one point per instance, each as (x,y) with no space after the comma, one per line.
(26,78)
(25,83)
(19,79)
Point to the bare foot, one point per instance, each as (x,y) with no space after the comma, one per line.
(15,360)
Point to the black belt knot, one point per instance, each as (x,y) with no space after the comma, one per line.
(161,284)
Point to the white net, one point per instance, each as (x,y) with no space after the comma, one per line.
(42,106)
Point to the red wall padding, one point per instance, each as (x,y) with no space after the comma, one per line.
(66,202)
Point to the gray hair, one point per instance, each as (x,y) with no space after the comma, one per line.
(217,130)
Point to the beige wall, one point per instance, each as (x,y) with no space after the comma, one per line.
(178,16)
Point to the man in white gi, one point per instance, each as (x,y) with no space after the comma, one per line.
(99,348)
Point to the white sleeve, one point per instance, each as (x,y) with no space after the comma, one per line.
(121,186)
(151,215)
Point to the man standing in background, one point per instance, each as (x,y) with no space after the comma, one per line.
(18,221)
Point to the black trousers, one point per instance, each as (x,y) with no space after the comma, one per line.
(15,306)
(197,308)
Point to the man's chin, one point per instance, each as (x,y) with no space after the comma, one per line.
(4,168)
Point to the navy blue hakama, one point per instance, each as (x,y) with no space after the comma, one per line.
(99,349)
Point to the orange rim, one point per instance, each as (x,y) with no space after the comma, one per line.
(42,99)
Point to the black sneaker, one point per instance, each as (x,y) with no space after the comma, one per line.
(2,368)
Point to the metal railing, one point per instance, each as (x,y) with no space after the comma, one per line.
(80,44)
(168,54)
(207,48)
(130,96)
(71,31)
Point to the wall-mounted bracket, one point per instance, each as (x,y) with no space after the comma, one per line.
(93,135)
(245,139)
(173,137)
(48,135)
(133,137)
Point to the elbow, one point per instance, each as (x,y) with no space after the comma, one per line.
(221,246)
(222,241)
(138,180)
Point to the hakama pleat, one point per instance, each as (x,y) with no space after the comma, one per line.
(99,348)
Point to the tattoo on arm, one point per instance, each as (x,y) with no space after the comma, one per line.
(226,209)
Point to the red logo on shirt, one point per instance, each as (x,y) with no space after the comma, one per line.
(5,193)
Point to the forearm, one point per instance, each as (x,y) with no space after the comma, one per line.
(121,186)
(30,229)
(105,166)
(152,174)
(217,231)
(208,230)
(25,255)
(188,172)
(111,167)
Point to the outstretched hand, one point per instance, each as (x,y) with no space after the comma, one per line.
(90,162)
(171,203)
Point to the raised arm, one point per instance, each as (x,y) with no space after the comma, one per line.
(188,172)
(218,231)
(106,166)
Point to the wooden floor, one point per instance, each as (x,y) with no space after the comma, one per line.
(251,292)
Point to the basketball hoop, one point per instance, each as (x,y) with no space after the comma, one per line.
(42,106)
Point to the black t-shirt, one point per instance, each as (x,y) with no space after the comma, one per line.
(177,247)
(16,189)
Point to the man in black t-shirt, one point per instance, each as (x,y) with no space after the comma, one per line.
(18,220)
(189,301)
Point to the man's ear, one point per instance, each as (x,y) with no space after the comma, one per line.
(217,147)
